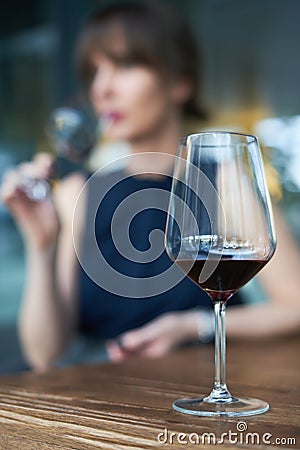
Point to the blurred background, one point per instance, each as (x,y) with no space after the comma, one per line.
(251,83)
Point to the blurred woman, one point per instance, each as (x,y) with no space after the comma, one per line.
(140,68)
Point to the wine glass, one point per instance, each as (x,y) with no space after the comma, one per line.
(72,134)
(220,233)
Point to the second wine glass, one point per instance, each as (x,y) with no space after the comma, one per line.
(72,134)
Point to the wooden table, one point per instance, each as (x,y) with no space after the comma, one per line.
(128,405)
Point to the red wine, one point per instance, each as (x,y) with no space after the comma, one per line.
(229,275)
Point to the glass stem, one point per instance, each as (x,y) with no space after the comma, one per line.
(220,392)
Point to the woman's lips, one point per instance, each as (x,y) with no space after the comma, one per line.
(109,119)
(112,116)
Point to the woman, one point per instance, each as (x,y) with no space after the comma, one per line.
(139,65)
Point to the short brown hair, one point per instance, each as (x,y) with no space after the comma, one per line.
(154,35)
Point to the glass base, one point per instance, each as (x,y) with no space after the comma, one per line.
(233,407)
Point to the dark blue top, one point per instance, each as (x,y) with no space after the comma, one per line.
(104,313)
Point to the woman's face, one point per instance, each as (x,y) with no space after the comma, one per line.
(133,101)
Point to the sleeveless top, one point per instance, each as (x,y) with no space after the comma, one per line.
(119,288)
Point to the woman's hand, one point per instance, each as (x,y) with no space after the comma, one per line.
(156,338)
(37,220)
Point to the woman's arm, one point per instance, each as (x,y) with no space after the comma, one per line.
(48,309)
(279,316)
(48,315)
(280,280)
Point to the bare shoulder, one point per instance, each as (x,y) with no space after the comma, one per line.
(66,195)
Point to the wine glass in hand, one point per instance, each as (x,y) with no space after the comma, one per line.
(220,233)
(72,135)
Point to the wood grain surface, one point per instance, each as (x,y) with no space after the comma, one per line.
(127,405)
